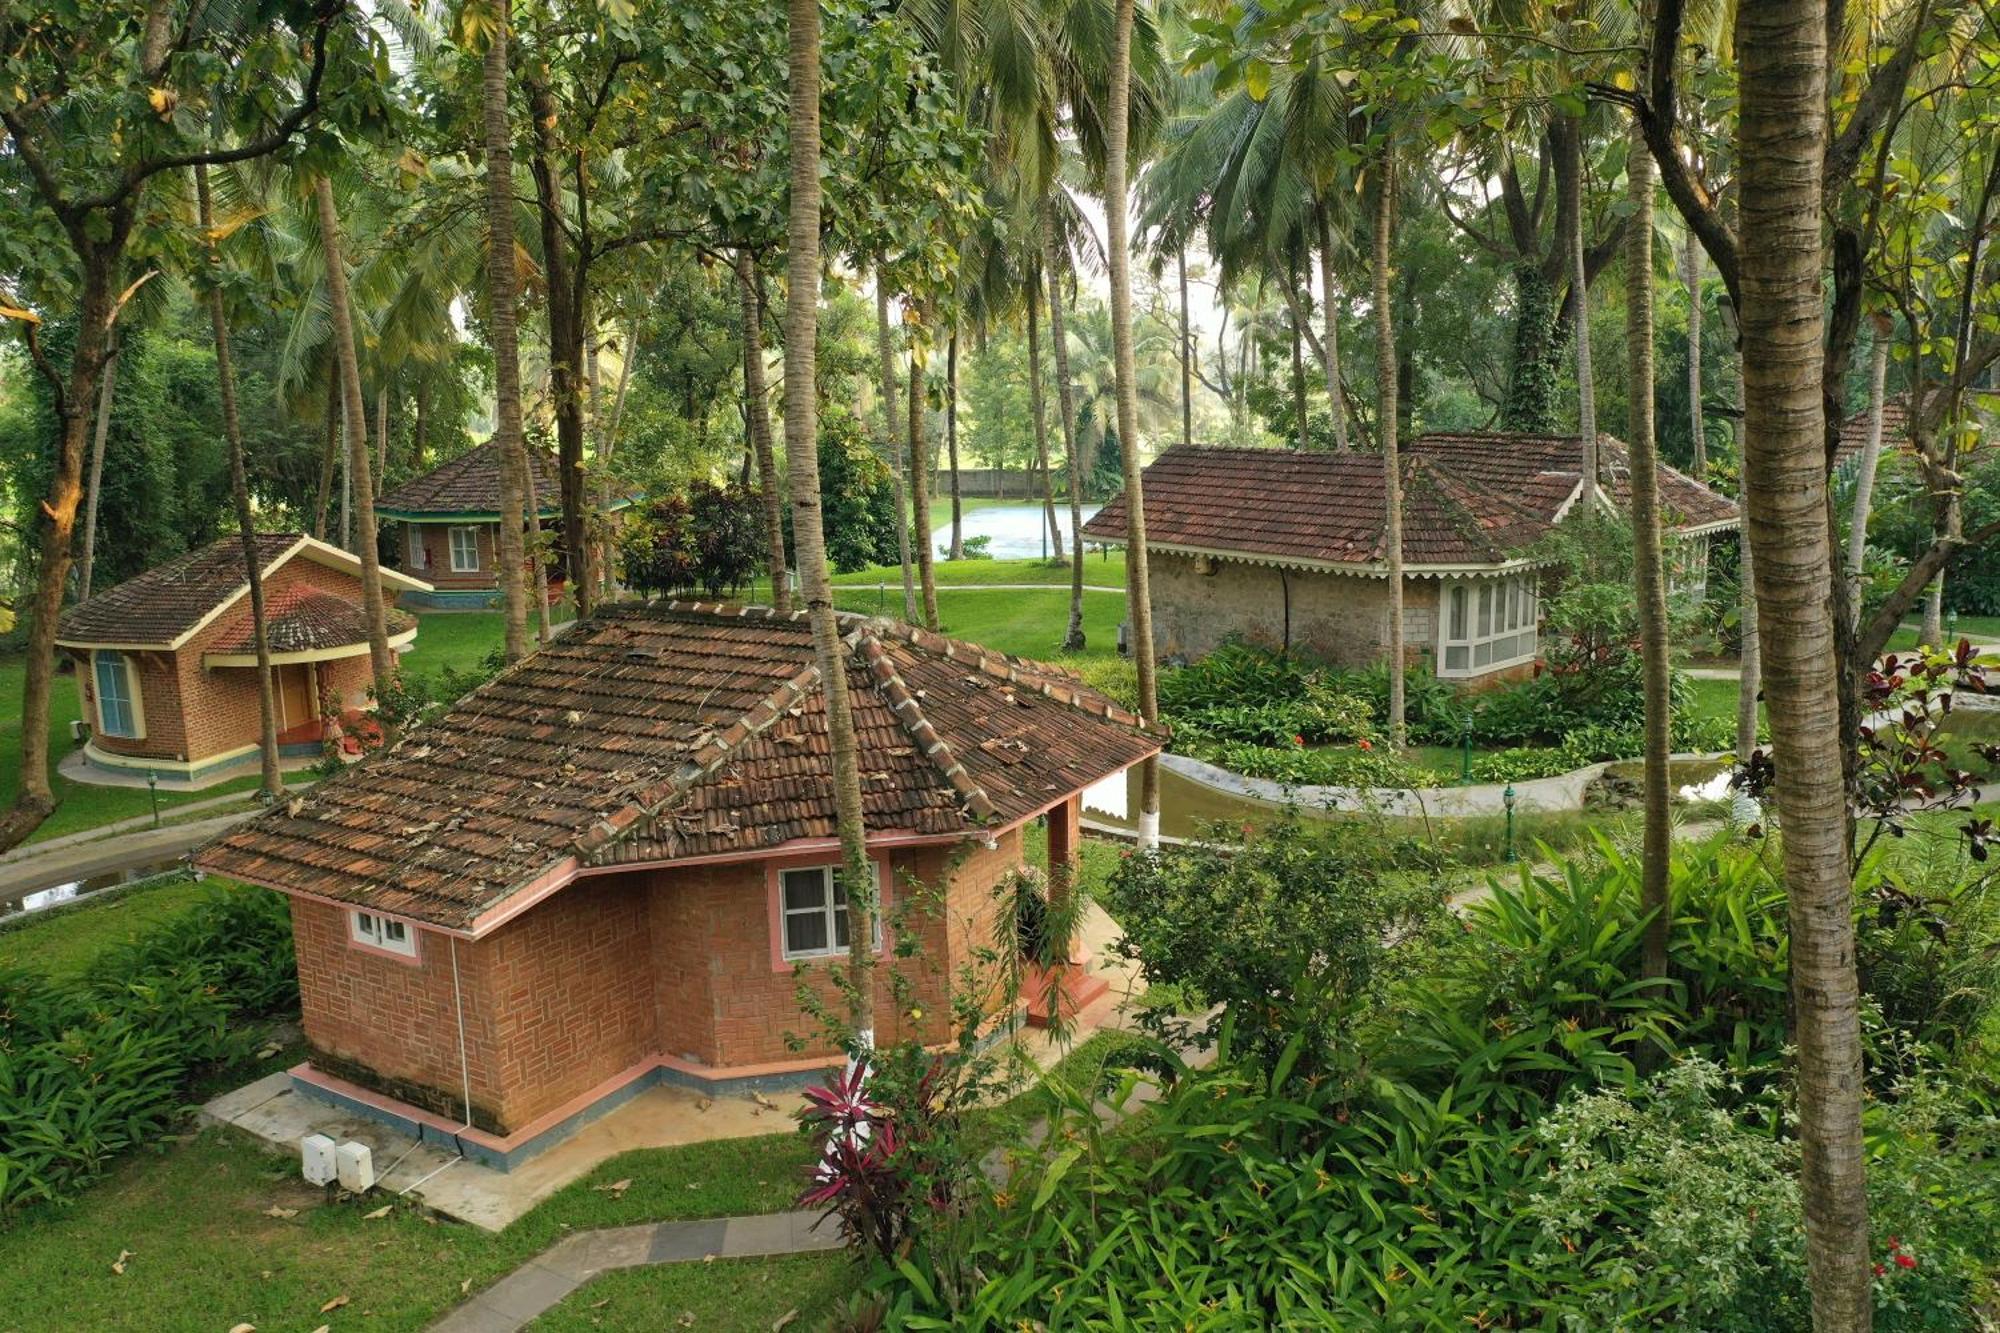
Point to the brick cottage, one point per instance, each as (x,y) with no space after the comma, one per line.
(1285,549)
(603,868)
(167,665)
(450,519)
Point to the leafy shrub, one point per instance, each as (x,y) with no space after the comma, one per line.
(91,1069)
(709,538)
(1288,933)
(1363,764)
(1116,680)
(1293,722)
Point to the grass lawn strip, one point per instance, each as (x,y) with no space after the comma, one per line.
(60,942)
(726,1294)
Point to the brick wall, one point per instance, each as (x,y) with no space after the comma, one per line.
(397,1020)
(436,569)
(159,696)
(614,969)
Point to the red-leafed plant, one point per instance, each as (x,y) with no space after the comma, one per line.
(880,1170)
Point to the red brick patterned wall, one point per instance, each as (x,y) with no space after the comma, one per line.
(159,695)
(396,1018)
(437,569)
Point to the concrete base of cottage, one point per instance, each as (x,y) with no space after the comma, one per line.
(451,599)
(95,767)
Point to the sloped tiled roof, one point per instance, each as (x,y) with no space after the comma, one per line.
(1895,430)
(309,620)
(162,604)
(1477,499)
(470,484)
(664,731)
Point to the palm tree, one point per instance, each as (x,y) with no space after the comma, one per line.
(271,775)
(341,312)
(1579,281)
(1119,251)
(1386,427)
(1039,411)
(1691,264)
(756,402)
(503,329)
(1649,576)
(893,443)
(1053,268)
(1781,48)
(920,476)
(1871,458)
(802,460)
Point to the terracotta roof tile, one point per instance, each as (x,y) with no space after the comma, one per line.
(665,731)
(1895,430)
(310,620)
(470,484)
(163,603)
(1467,499)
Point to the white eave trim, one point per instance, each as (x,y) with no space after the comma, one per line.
(396,641)
(1372,569)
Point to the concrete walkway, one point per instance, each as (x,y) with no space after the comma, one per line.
(539,1285)
(1735,673)
(55,864)
(896,586)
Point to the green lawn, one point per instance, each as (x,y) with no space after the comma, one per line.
(1101,569)
(61,942)
(1028,624)
(746,1294)
(1979,629)
(459,640)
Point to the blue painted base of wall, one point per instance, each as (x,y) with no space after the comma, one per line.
(292,757)
(445,599)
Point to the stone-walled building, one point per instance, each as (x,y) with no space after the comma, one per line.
(605,868)
(1285,549)
(167,665)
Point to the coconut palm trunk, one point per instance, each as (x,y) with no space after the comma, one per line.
(1871,458)
(329,451)
(1781,143)
(809,538)
(920,493)
(893,444)
(503,296)
(87,567)
(1040,412)
(1749,682)
(361,491)
(756,404)
(1579,278)
(1386,425)
(538,562)
(951,445)
(1649,571)
(1138,589)
(1187,348)
(1073,637)
(271,774)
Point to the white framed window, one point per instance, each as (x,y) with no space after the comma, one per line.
(464,550)
(118,708)
(381,932)
(1687,567)
(1488,624)
(813,913)
(419,556)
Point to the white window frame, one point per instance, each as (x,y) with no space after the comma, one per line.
(1497,617)
(471,531)
(383,933)
(419,554)
(132,699)
(1687,567)
(831,911)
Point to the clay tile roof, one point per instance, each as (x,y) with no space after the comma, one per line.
(1473,499)
(657,732)
(470,484)
(1895,430)
(310,620)
(161,605)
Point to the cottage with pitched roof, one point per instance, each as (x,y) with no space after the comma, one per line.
(603,868)
(450,519)
(167,664)
(1285,549)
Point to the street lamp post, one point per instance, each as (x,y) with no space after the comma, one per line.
(153,790)
(1507,799)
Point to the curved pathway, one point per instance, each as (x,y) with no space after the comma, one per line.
(536,1287)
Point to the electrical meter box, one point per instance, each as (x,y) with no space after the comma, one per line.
(316,1159)
(355,1166)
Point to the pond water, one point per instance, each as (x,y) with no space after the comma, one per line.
(17,902)
(1017,530)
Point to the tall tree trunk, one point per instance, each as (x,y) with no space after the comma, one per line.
(1586,374)
(568,310)
(756,404)
(1329,339)
(1781,142)
(1864,481)
(538,561)
(1386,427)
(503,296)
(802,459)
(381,662)
(271,774)
(1138,586)
(893,443)
(329,451)
(1931,634)
(607,445)
(1301,437)
(1691,267)
(1749,678)
(381,437)
(1040,412)
(87,569)
(1187,349)
(420,428)
(1649,572)
(96,307)
(920,491)
(951,445)
(1073,637)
